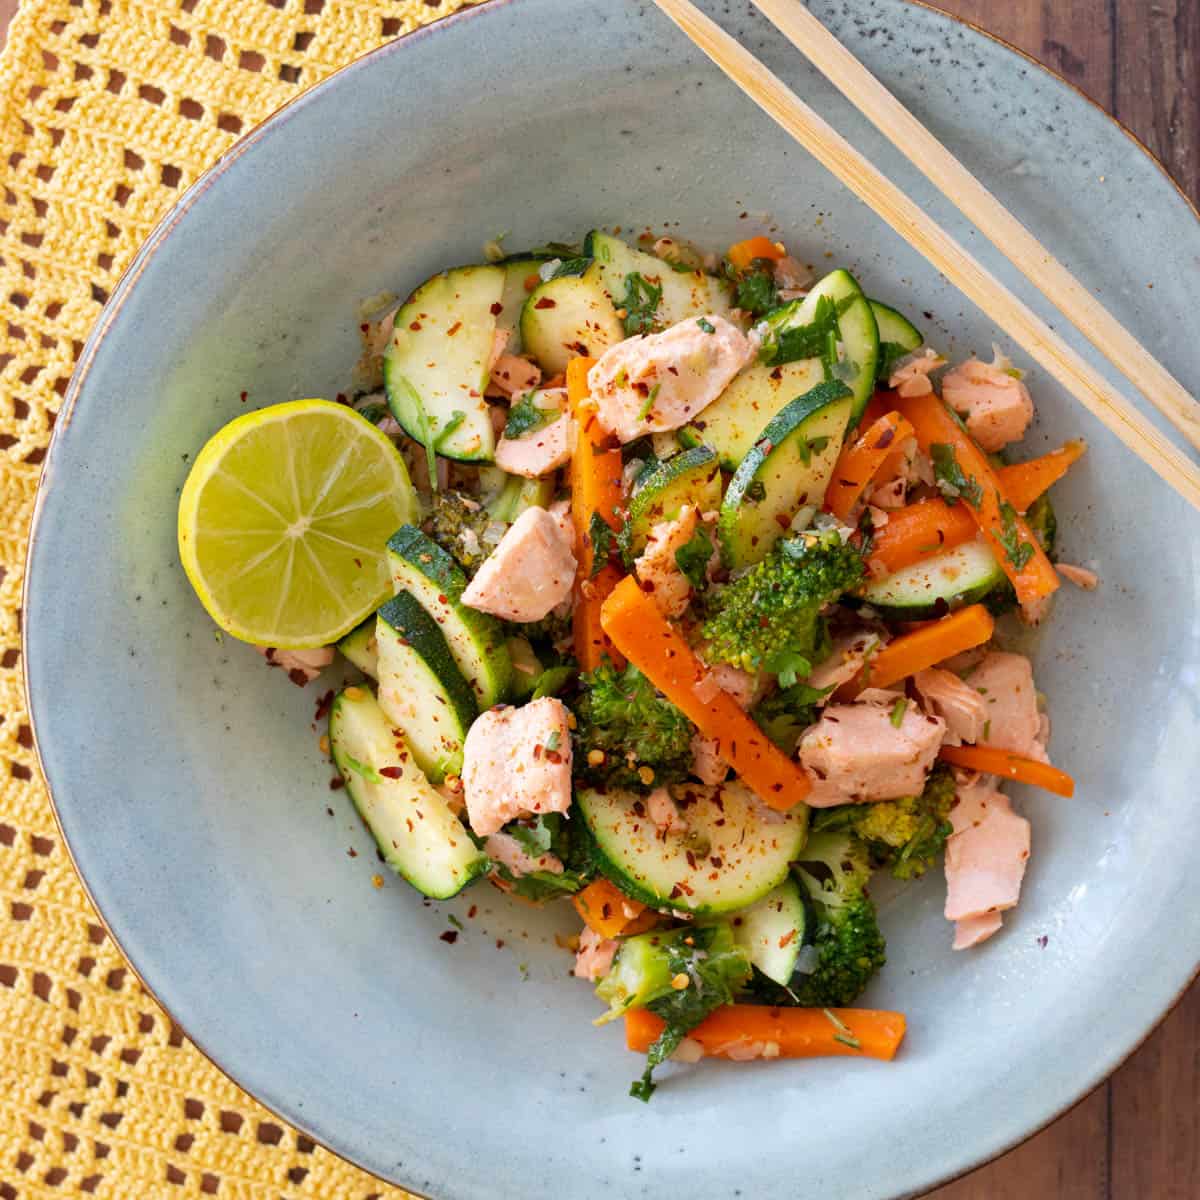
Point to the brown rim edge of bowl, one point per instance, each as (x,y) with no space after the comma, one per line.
(109,313)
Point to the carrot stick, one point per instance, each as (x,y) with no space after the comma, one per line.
(860,461)
(919,531)
(742,254)
(595,479)
(991,760)
(606,910)
(1016,549)
(638,629)
(1024,482)
(913,652)
(736,1030)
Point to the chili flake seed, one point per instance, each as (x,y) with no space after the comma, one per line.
(353,693)
(595,758)
(680,981)
(646,775)
(324,743)
(454,783)
(377,881)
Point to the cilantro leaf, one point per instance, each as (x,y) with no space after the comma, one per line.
(952,481)
(525,417)
(789,665)
(755,290)
(603,539)
(693,558)
(1016,549)
(640,302)
(706,325)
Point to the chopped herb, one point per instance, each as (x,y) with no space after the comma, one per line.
(852,1042)
(552,742)
(534,837)
(640,302)
(792,343)
(683,268)
(788,665)
(784,716)
(899,709)
(1016,550)
(648,404)
(359,768)
(754,291)
(756,493)
(525,417)
(952,481)
(806,448)
(424,427)
(570,266)
(454,921)
(693,559)
(374,413)
(706,325)
(603,539)
(457,417)
(890,353)
(866,529)
(987,729)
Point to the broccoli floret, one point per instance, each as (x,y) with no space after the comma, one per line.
(850,947)
(458,524)
(905,835)
(644,739)
(770,618)
(647,971)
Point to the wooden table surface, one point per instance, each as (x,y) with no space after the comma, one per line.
(1137,1137)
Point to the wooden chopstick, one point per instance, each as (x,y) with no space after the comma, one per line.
(828,146)
(992,219)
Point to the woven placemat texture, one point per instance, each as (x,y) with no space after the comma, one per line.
(108,110)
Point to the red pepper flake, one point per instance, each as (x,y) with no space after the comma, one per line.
(454,329)
(415,327)
(787,937)
(245,396)
(449,937)
(886,438)
(499,943)
(545,302)
(472,911)
(606,910)
(782,521)
(324,703)
(716,862)
(675,893)
(352,852)
(691,860)
(358,563)
(392,772)
(336,783)
(497,309)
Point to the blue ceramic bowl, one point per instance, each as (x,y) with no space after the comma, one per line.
(187,778)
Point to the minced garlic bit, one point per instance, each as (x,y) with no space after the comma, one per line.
(377,880)
(353,693)
(646,775)
(595,758)
(680,981)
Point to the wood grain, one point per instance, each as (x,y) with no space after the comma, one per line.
(1138,1136)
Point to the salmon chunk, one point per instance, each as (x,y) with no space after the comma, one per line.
(1005,683)
(529,573)
(656,568)
(302,666)
(962,708)
(973,930)
(997,406)
(595,955)
(661,381)
(985,858)
(856,753)
(517,762)
(538,452)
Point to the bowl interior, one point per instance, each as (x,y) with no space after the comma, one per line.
(188,779)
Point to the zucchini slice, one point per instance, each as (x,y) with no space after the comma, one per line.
(744,856)
(898,336)
(417,834)
(935,586)
(476,640)
(437,365)
(569,316)
(774,930)
(684,293)
(787,468)
(857,335)
(360,648)
(421,689)
(732,423)
(693,477)
(520,278)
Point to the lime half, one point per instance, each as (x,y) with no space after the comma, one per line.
(284,522)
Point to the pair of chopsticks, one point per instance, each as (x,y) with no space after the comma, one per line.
(1053,279)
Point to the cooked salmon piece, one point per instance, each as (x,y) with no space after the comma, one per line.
(664,812)
(504,849)
(594,958)
(910,377)
(1081,577)
(985,857)
(539,452)
(302,666)
(850,651)
(1005,682)
(973,930)
(517,762)
(707,764)
(661,381)
(528,574)
(997,405)
(509,374)
(962,708)
(855,753)
(656,568)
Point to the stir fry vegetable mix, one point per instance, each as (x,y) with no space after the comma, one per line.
(722,578)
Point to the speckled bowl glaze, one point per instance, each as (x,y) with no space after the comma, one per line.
(187,778)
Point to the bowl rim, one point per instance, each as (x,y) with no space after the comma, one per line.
(153,241)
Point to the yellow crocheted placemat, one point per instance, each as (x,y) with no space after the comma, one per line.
(108,110)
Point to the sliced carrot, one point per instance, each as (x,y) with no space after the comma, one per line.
(595,479)
(742,254)
(919,531)
(1016,549)
(861,460)
(924,647)
(991,760)
(606,910)
(1024,482)
(737,1030)
(638,629)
